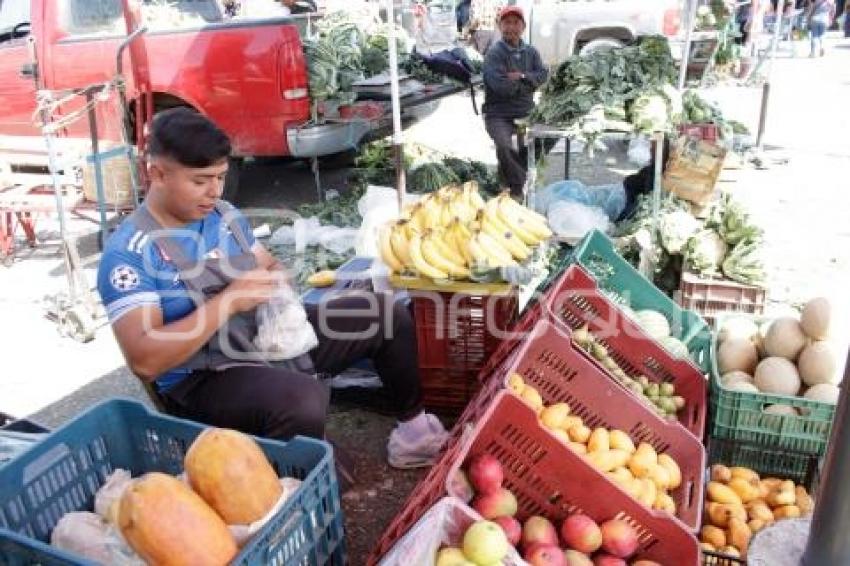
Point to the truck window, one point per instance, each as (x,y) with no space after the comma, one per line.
(12,13)
(93,17)
(105,17)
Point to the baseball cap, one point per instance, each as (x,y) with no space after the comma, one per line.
(511,11)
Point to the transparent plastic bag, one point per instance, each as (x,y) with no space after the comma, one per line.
(377,206)
(442,525)
(640,150)
(88,535)
(283,331)
(573,220)
(107,497)
(243,533)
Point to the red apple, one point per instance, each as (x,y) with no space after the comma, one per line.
(486,474)
(581,533)
(576,558)
(538,530)
(608,560)
(619,538)
(502,503)
(545,555)
(460,487)
(512,528)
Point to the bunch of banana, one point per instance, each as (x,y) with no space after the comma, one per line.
(432,254)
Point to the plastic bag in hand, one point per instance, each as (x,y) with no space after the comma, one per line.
(283,331)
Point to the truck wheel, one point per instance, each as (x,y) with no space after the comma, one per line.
(231,180)
(600,44)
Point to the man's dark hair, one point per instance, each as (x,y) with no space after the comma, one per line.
(187,137)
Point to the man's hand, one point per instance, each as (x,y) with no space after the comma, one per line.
(253,288)
(514,76)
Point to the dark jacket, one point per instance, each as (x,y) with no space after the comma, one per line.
(503,97)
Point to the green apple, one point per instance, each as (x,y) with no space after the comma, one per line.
(450,556)
(485,543)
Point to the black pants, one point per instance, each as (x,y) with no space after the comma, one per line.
(277,403)
(512,163)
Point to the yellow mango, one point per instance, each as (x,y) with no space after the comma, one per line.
(516,383)
(786,512)
(675,474)
(781,498)
(619,440)
(744,473)
(756,525)
(660,476)
(602,461)
(554,416)
(599,441)
(620,457)
(578,447)
(720,473)
(531,396)
(622,475)
(804,501)
(758,510)
(713,536)
(560,435)
(580,434)
(649,493)
(720,493)
(719,514)
(739,534)
(643,461)
(664,502)
(747,489)
(571,421)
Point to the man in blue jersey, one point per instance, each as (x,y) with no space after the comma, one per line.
(181,280)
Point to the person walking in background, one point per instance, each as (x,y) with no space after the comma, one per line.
(820,15)
(513,71)
(483,23)
(847,20)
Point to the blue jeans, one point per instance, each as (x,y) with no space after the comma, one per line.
(817,29)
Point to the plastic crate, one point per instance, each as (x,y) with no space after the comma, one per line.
(560,372)
(738,415)
(63,473)
(711,297)
(551,480)
(456,335)
(577,301)
(597,255)
(800,467)
(705,132)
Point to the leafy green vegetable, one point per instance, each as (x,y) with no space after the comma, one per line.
(704,252)
(744,263)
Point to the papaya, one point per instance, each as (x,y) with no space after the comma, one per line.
(168,524)
(232,474)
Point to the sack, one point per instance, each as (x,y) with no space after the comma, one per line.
(453,64)
(693,170)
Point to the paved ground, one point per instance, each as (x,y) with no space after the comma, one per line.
(802,205)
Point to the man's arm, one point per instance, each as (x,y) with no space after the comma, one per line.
(538,73)
(152,348)
(496,74)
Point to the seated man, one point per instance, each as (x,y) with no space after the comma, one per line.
(181,279)
(513,70)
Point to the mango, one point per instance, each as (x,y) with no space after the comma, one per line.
(675,474)
(599,441)
(619,440)
(713,536)
(720,493)
(786,512)
(747,489)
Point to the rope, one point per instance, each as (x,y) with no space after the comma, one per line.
(48,103)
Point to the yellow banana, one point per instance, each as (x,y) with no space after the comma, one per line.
(446,213)
(456,238)
(420,264)
(530,223)
(508,241)
(523,210)
(491,214)
(516,225)
(479,256)
(431,253)
(475,199)
(494,248)
(399,242)
(387,253)
(446,249)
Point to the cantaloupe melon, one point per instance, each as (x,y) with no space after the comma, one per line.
(653,323)
(675,346)
(736,376)
(824,392)
(816,318)
(168,524)
(781,410)
(737,354)
(778,376)
(232,474)
(817,364)
(784,339)
(738,327)
(743,386)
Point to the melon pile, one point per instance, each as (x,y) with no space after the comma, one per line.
(784,356)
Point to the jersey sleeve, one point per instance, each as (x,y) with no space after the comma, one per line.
(245,226)
(125,283)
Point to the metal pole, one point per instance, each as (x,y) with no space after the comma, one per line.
(656,197)
(828,540)
(774,46)
(398,135)
(686,50)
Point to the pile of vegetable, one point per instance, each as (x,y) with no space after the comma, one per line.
(740,503)
(580,91)
(784,356)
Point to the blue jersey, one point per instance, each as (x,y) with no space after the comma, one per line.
(134,272)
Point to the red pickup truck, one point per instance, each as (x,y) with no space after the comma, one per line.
(248,76)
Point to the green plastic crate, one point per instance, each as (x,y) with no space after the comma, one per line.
(738,415)
(800,467)
(596,253)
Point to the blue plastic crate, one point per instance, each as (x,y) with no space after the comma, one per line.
(64,471)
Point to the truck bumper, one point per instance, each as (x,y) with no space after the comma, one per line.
(316,140)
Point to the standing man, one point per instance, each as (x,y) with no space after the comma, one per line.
(513,70)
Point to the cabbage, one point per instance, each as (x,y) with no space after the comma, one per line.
(649,113)
(704,252)
(676,229)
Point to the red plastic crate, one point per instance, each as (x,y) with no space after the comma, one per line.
(711,297)
(704,132)
(456,334)
(551,480)
(518,332)
(560,372)
(577,301)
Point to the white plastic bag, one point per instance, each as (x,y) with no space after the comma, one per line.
(283,331)
(442,525)
(243,533)
(640,150)
(377,206)
(570,219)
(88,535)
(310,232)
(107,497)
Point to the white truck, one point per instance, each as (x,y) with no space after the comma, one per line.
(560,28)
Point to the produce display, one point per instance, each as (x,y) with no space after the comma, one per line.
(740,503)
(784,356)
(643,473)
(660,396)
(579,540)
(455,234)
